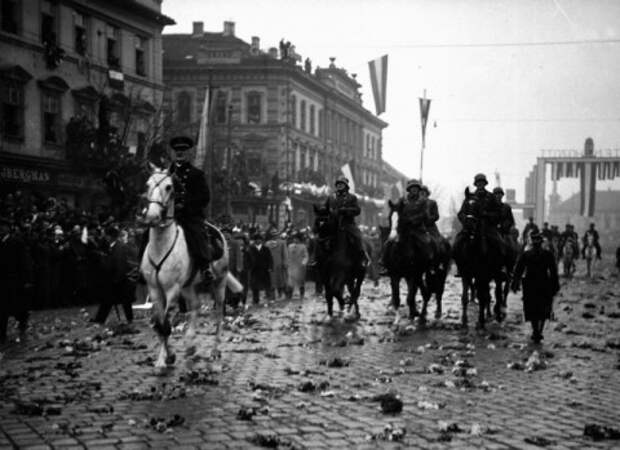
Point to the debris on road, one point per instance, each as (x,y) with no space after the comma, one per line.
(389,433)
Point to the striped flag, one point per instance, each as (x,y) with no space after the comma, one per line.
(348,172)
(201,145)
(588,188)
(378,80)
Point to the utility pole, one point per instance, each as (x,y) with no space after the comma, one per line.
(229,163)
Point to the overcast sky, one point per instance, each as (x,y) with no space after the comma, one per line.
(495,106)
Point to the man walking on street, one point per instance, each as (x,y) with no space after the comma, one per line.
(540,284)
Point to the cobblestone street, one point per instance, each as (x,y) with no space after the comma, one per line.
(289,381)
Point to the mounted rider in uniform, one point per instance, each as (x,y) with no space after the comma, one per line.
(191,199)
(344,206)
(413,215)
(506,225)
(488,214)
(432,216)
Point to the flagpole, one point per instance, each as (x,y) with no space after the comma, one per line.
(422,149)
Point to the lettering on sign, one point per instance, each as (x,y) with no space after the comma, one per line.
(25,175)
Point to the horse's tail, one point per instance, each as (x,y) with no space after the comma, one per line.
(231,282)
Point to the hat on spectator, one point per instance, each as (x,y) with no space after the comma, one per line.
(498,190)
(181,143)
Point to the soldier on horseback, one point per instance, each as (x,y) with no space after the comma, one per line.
(488,213)
(432,216)
(343,205)
(413,217)
(191,198)
(595,238)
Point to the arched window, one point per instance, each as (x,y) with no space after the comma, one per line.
(184,107)
(254,107)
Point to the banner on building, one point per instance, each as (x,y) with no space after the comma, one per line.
(588,188)
(425,106)
(347,171)
(378,81)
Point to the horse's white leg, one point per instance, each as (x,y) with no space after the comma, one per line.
(193,303)
(159,320)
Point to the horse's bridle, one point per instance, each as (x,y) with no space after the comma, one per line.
(166,220)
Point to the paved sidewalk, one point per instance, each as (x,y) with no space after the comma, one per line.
(291,380)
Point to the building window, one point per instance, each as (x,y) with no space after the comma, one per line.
(140,56)
(51,117)
(13,111)
(85,109)
(293,107)
(302,115)
(321,120)
(221,107)
(80,35)
(48,23)
(312,124)
(9,16)
(254,107)
(184,107)
(113,47)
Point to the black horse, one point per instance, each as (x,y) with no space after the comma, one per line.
(478,262)
(338,261)
(404,258)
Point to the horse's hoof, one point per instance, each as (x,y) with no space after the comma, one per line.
(170,359)
(422,320)
(437,315)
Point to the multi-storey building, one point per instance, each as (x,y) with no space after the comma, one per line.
(58,60)
(288,123)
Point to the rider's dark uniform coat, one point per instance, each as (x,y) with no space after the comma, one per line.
(540,282)
(191,192)
(192,197)
(506,219)
(345,205)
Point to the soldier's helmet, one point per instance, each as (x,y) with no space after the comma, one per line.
(498,190)
(481,177)
(343,180)
(181,143)
(424,188)
(413,183)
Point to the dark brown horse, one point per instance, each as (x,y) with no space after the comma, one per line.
(338,261)
(405,258)
(478,261)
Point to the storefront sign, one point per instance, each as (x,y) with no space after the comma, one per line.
(21,175)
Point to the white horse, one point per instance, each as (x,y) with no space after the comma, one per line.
(589,252)
(167,269)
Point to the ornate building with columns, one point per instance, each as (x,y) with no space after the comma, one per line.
(289,128)
(58,60)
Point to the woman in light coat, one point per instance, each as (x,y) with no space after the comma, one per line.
(297,260)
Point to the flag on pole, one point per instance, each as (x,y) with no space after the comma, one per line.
(348,172)
(425,106)
(378,80)
(201,145)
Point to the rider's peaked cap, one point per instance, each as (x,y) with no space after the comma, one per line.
(481,177)
(343,180)
(181,143)
(498,190)
(412,183)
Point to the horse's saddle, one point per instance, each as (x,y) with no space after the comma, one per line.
(216,245)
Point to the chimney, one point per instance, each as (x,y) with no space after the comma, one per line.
(198,29)
(229,28)
(255,44)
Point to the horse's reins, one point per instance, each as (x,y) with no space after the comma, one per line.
(164,206)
